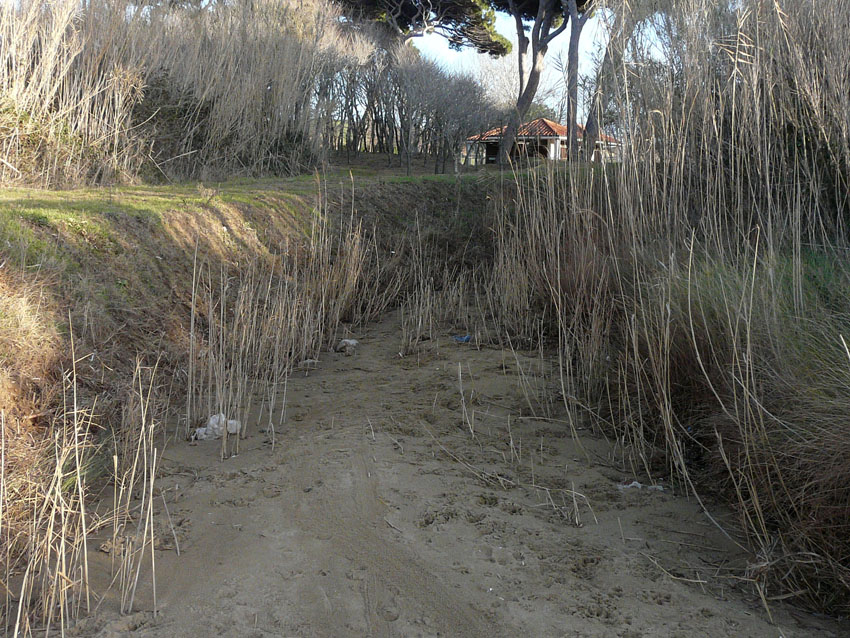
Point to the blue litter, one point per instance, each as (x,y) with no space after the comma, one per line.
(464,339)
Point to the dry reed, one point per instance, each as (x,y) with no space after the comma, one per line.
(45,565)
(265,319)
(696,291)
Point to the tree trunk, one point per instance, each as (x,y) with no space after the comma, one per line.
(576,25)
(522,105)
(522,48)
(408,144)
(541,35)
(572,86)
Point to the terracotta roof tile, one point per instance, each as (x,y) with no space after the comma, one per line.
(541,127)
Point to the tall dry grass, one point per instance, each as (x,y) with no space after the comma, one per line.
(253,327)
(698,290)
(254,312)
(47,517)
(104,92)
(254,322)
(110,91)
(68,81)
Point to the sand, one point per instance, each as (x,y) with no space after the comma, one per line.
(380,513)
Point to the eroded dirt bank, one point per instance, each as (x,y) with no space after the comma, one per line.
(378,513)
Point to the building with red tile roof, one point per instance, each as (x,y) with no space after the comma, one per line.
(538,138)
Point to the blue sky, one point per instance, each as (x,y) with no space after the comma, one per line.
(593,37)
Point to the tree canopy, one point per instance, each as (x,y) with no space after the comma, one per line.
(529,9)
(464,23)
(472,23)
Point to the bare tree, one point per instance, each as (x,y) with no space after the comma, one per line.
(577,22)
(550,19)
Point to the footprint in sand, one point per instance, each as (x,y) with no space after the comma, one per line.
(389,612)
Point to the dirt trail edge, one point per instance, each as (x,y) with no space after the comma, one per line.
(378,513)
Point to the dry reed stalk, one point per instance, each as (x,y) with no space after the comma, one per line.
(266,319)
(132,537)
(695,288)
(52,584)
(107,90)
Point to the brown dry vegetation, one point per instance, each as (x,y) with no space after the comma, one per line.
(120,266)
(694,296)
(698,291)
(475,254)
(118,92)
(701,367)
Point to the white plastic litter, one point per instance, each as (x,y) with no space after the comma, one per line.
(640,486)
(214,429)
(347,346)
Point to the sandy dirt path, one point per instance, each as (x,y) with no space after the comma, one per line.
(378,513)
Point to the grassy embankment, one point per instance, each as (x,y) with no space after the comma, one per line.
(118,302)
(717,364)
